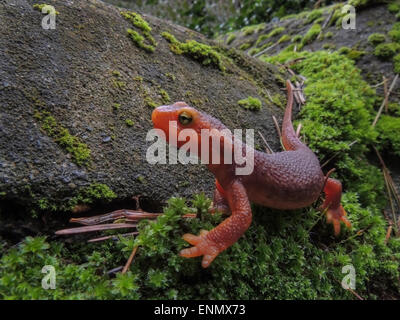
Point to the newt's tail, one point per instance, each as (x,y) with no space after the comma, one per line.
(289,138)
(335,212)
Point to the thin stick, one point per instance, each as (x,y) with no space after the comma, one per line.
(385,100)
(388,233)
(117,214)
(277,127)
(100,227)
(114,237)
(298,130)
(265,50)
(267,147)
(129,262)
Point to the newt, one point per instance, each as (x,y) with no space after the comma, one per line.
(286,180)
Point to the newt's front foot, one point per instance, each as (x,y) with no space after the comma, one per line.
(335,216)
(202,246)
(335,212)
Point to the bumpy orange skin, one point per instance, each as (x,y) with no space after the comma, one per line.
(284,180)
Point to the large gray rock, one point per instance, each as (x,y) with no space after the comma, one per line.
(78,72)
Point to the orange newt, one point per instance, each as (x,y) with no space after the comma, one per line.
(285,180)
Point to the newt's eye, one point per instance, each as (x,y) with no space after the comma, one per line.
(185,118)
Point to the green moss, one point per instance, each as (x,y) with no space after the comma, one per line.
(171,76)
(314,15)
(116,73)
(139,40)
(278,100)
(311,34)
(328,35)
(394,34)
(329,46)
(385,51)
(276,32)
(116,106)
(40,6)
(138,22)
(231,38)
(351,53)
(245,46)
(284,38)
(165,96)
(297,38)
(389,139)
(196,50)
(396,62)
(250,103)
(79,151)
(96,192)
(150,103)
(129,122)
(376,38)
(393,7)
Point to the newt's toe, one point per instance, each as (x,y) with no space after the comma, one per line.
(202,246)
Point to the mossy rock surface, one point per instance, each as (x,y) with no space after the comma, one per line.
(369,20)
(79,72)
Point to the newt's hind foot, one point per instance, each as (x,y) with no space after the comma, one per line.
(202,246)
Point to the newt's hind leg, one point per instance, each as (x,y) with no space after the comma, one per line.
(335,213)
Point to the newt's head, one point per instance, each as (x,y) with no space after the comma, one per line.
(179,117)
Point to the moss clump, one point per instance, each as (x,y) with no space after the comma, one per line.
(389,139)
(328,35)
(165,96)
(116,106)
(150,102)
(196,50)
(314,15)
(385,51)
(351,53)
(394,34)
(284,38)
(139,40)
(393,7)
(79,151)
(376,38)
(276,32)
(329,46)
(311,34)
(40,7)
(396,62)
(129,122)
(137,21)
(231,38)
(297,38)
(94,193)
(250,103)
(245,46)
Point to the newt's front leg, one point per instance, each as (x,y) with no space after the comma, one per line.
(211,244)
